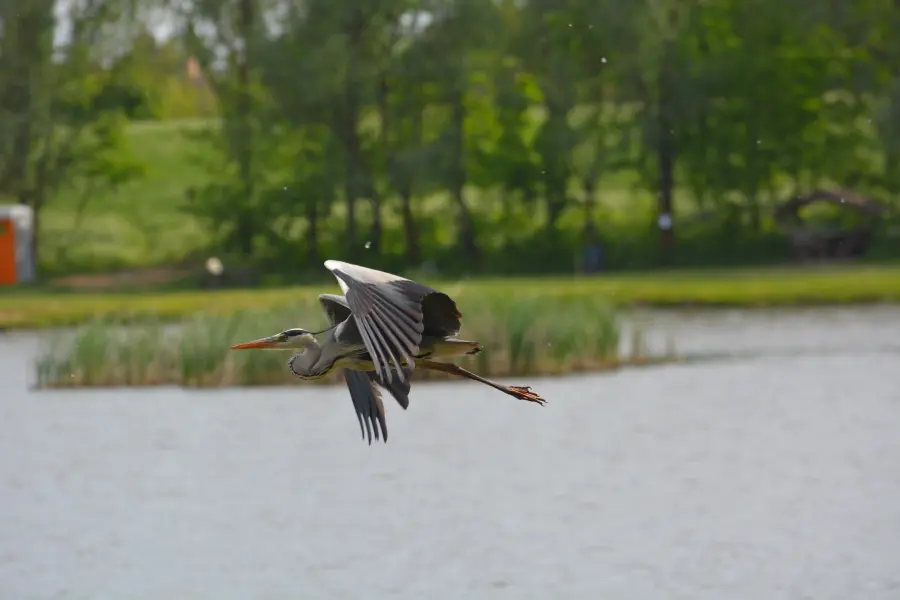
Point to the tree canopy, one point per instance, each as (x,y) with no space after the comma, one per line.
(476,135)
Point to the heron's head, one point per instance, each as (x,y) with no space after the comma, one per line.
(289,339)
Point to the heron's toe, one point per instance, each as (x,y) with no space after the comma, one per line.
(525,393)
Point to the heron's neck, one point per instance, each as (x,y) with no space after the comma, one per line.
(304,362)
(318,361)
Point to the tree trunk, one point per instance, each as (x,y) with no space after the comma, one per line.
(20,57)
(754,173)
(590,203)
(402,176)
(353,152)
(555,154)
(245,231)
(350,195)
(753,203)
(556,202)
(347,128)
(246,228)
(374,242)
(312,232)
(387,149)
(34,246)
(466,228)
(37,198)
(24,59)
(410,235)
(665,153)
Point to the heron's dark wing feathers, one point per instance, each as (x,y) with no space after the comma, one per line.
(398,389)
(388,312)
(335,307)
(367,403)
(391,315)
(441,317)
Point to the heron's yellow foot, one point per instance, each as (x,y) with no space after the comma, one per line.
(525,393)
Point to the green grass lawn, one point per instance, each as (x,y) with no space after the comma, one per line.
(139,224)
(744,287)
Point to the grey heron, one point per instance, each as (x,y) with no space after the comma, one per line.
(381,329)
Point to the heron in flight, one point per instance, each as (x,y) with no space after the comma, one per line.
(381,329)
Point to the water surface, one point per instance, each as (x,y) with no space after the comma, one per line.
(774,474)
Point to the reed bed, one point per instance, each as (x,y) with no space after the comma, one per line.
(522,334)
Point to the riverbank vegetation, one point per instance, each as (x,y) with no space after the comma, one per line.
(22,309)
(521,335)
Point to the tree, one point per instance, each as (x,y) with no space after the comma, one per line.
(54,131)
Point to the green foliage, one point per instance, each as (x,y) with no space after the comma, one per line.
(57,132)
(469,136)
(521,129)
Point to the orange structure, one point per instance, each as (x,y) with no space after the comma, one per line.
(7,252)
(16,265)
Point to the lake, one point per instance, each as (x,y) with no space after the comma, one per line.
(768,467)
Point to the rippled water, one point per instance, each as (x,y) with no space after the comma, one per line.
(772,474)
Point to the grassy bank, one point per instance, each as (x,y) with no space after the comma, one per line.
(521,336)
(752,287)
(139,223)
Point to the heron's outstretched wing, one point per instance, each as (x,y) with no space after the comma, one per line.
(335,307)
(367,402)
(338,311)
(388,311)
(398,389)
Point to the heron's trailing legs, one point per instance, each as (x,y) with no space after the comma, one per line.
(522,393)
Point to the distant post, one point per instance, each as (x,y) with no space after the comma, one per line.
(666,235)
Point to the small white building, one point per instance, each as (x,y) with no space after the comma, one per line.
(16,233)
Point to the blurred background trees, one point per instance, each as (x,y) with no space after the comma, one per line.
(470,135)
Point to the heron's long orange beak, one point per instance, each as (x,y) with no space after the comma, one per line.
(266,342)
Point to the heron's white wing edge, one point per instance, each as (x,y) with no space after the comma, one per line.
(362,274)
(336,265)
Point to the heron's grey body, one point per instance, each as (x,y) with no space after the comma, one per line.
(344,344)
(381,329)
